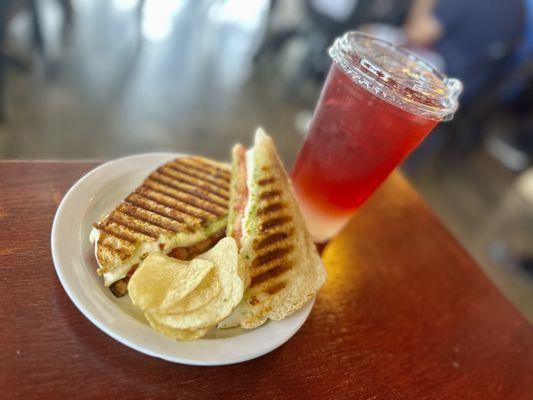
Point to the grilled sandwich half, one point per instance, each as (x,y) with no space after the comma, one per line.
(284,270)
(180,209)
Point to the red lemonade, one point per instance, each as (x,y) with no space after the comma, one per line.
(357,137)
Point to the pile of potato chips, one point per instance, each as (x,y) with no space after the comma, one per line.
(184,299)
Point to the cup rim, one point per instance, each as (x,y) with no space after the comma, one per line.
(368,70)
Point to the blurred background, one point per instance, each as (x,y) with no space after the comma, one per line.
(96,79)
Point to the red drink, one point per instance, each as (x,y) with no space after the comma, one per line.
(357,137)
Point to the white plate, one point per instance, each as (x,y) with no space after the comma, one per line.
(87,201)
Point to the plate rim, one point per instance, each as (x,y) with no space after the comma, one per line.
(77,298)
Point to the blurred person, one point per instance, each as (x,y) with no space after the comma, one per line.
(477,38)
(514,147)
(19,59)
(316,23)
(510,122)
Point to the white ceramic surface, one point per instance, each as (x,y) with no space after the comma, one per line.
(87,201)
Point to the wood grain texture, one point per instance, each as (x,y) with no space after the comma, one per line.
(405,314)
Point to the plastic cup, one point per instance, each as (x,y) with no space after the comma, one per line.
(378,103)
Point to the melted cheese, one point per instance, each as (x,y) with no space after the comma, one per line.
(250,164)
(179,240)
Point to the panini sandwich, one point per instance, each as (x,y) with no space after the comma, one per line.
(180,209)
(284,270)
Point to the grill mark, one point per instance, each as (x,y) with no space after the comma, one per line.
(192,192)
(106,227)
(271,255)
(276,288)
(103,226)
(188,202)
(121,235)
(270,208)
(121,253)
(270,274)
(116,242)
(271,239)
(271,223)
(253,301)
(134,213)
(131,226)
(172,206)
(183,176)
(269,194)
(266,181)
(139,204)
(205,188)
(202,165)
(199,174)
(100,225)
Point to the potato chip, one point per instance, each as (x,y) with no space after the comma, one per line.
(183,300)
(177,334)
(161,282)
(205,292)
(228,272)
(233,320)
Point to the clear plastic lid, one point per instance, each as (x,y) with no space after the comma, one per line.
(396,75)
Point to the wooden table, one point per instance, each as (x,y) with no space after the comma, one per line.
(405,314)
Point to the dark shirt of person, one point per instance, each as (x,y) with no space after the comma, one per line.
(479,38)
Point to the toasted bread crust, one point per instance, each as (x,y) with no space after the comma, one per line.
(284,267)
(182,196)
